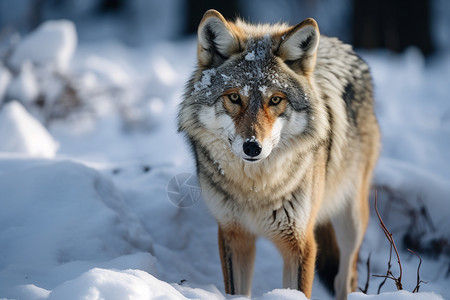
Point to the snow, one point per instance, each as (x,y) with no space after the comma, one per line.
(5,78)
(282,294)
(246,90)
(250,56)
(263,89)
(69,216)
(60,43)
(112,284)
(107,71)
(164,71)
(25,85)
(92,219)
(205,81)
(401,295)
(21,133)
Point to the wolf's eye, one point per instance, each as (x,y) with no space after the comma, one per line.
(235,98)
(275,100)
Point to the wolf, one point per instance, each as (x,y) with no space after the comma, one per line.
(282,127)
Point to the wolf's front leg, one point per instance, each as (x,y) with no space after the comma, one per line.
(237,254)
(299,255)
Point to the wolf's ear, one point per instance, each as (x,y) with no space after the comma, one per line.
(216,40)
(299,45)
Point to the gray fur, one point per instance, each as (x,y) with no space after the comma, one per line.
(328,164)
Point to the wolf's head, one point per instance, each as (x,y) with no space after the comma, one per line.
(254,86)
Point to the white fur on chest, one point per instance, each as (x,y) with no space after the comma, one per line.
(261,192)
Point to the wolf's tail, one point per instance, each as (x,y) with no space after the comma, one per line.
(327,263)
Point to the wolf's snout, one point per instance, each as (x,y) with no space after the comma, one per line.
(252,148)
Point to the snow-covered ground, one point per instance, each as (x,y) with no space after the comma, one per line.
(84,206)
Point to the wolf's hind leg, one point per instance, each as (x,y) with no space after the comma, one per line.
(237,254)
(327,255)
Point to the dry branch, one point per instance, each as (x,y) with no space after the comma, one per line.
(388,234)
(416,289)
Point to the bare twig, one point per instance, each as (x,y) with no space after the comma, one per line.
(397,280)
(388,270)
(416,289)
(390,276)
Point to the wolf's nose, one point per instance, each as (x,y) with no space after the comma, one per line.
(252,148)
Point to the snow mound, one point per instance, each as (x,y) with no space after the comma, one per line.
(52,43)
(400,295)
(283,294)
(31,292)
(21,133)
(115,285)
(71,216)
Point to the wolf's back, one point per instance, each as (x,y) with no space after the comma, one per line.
(345,83)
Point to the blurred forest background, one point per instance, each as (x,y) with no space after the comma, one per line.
(51,91)
(392,24)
